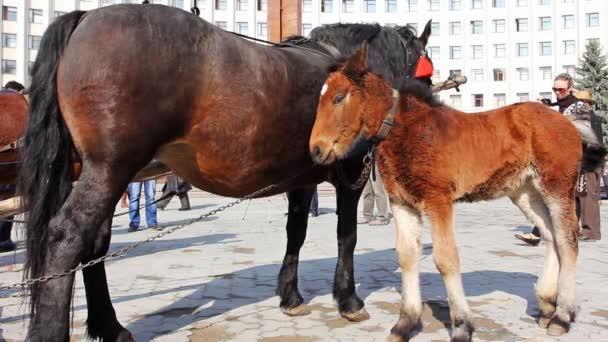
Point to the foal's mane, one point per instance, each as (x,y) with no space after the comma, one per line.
(419,89)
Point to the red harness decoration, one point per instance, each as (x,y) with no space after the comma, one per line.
(424,68)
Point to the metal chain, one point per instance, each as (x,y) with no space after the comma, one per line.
(367,168)
(124,250)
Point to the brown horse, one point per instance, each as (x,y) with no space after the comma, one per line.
(435,155)
(13,111)
(226,114)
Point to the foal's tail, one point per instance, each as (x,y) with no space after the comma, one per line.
(45,178)
(594,149)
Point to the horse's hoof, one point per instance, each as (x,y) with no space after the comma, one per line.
(396,338)
(462,331)
(543,322)
(357,316)
(300,310)
(557,327)
(125,336)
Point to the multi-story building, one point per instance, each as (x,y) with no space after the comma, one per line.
(510,50)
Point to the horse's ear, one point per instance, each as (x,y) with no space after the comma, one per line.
(424,37)
(357,63)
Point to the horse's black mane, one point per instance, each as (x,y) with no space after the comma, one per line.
(419,89)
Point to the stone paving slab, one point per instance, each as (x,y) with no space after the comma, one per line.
(215,280)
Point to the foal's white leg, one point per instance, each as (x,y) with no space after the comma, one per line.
(445,255)
(409,231)
(532,205)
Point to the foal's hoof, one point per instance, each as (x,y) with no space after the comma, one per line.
(125,336)
(357,316)
(462,331)
(558,327)
(300,310)
(404,329)
(543,322)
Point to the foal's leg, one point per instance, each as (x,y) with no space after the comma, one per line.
(72,232)
(445,255)
(532,205)
(349,304)
(409,231)
(297,221)
(566,241)
(101,323)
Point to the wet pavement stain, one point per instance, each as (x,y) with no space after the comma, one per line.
(178,267)
(248,262)
(600,313)
(189,250)
(149,277)
(174,312)
(489,330)
(322,308)
(243,250)
(204,332)
(504,253)
(296,338)
(392,308)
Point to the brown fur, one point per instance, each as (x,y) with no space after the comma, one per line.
(436,155)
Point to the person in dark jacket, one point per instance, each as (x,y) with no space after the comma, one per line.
(175,186)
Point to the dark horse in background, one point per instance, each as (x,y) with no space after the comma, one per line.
(228,115)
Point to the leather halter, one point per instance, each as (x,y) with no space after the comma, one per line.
(387,123)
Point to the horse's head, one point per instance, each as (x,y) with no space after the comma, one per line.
(345,114)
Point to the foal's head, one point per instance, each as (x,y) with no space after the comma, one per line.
(350,100)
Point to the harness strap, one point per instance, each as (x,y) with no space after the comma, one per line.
(387,123)
(12,146)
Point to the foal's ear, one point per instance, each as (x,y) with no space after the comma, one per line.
(357,63)
(424,37)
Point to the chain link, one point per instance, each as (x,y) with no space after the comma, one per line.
(367,168)
(124,250)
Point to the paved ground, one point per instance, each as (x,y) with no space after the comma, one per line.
(215,280)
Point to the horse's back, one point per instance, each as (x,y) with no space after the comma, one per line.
(13,114)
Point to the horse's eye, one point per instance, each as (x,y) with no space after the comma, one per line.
(339,99)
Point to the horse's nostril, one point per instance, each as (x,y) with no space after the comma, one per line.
(316,151)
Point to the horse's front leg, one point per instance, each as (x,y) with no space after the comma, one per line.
(292,303)
(409,231)
(349,304)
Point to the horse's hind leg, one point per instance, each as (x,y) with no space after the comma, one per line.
(565,227)
(532,205)
(72,232)
(409,230)
(292,302)
(445,255)
(101,323)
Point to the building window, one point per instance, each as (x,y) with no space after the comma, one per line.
(477,74)
(35,16)
(568,47)
(9,13)
(545,95)
(348,6)
(545,72)
(242,28)
(455,5)
(500,100)
(568,21)
(498,3)
(33,42)
(221,24)
(544,23)
(9,40)
(477,100)
(545,48)
(522,49)
(9,66)
(477,51)
(522,3)
(370,6)
(523,74)
(499,25)
(455,28)
(455,52)
(262,29)
(456,101)
(59,14)
(306,6)
(499,50)
(544,2)
(593,40)
(476,27)
(327,6)
(592,19)
(434,5)
(521,24)
(306,28)
(220,5)
(523,97)
(242,5)
(411,5)
(499,74)
(455,73)
(263,5)
(436,76)
(476,4)
(391,6)
(110,2)
(178,3)
(434,52)
(570,69)
(434,28)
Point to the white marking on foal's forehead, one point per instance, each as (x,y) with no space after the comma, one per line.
(324,89)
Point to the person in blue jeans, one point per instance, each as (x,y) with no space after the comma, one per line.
(134,195)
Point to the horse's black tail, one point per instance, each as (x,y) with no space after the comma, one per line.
(45,178)
(594,150)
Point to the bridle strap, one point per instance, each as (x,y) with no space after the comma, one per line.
(389,119)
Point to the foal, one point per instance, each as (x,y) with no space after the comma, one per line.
(434,156)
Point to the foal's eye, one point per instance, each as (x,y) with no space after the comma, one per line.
(339,99)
